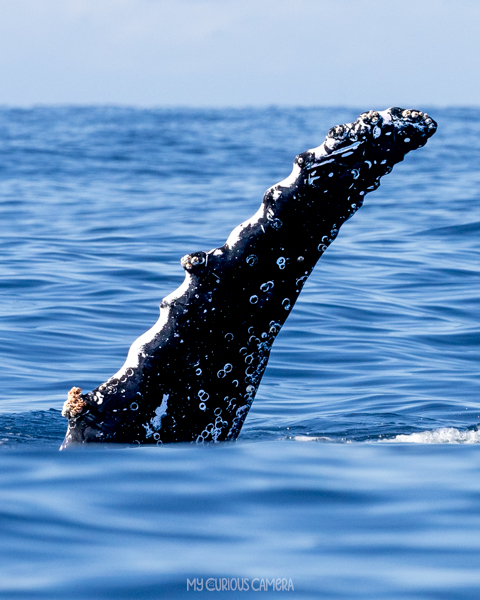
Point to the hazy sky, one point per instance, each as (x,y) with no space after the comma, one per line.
(240,52)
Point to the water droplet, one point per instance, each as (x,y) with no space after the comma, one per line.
(134,406)
(274,327)
(268,285)
(253,299)
(281,262)
(202,406)
(252,260)
(276,223)
(198,371)
(229,337)
(286,304)
(301,280)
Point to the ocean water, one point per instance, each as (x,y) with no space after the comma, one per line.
(356,474)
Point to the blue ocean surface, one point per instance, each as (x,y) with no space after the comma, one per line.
(357,472)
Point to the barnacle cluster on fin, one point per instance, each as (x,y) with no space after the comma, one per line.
(413,126)
(74,403)
(190,261)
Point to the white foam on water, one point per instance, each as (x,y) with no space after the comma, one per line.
(313,438)
(444,435)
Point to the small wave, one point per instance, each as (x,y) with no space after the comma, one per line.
(444,435)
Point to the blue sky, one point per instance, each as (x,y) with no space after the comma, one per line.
(240,52)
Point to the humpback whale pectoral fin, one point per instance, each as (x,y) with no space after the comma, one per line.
(239,296)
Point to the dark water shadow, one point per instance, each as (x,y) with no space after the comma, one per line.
(41,427)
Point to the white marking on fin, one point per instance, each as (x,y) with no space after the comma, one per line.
(156,421)
(136,349)
(236,234)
